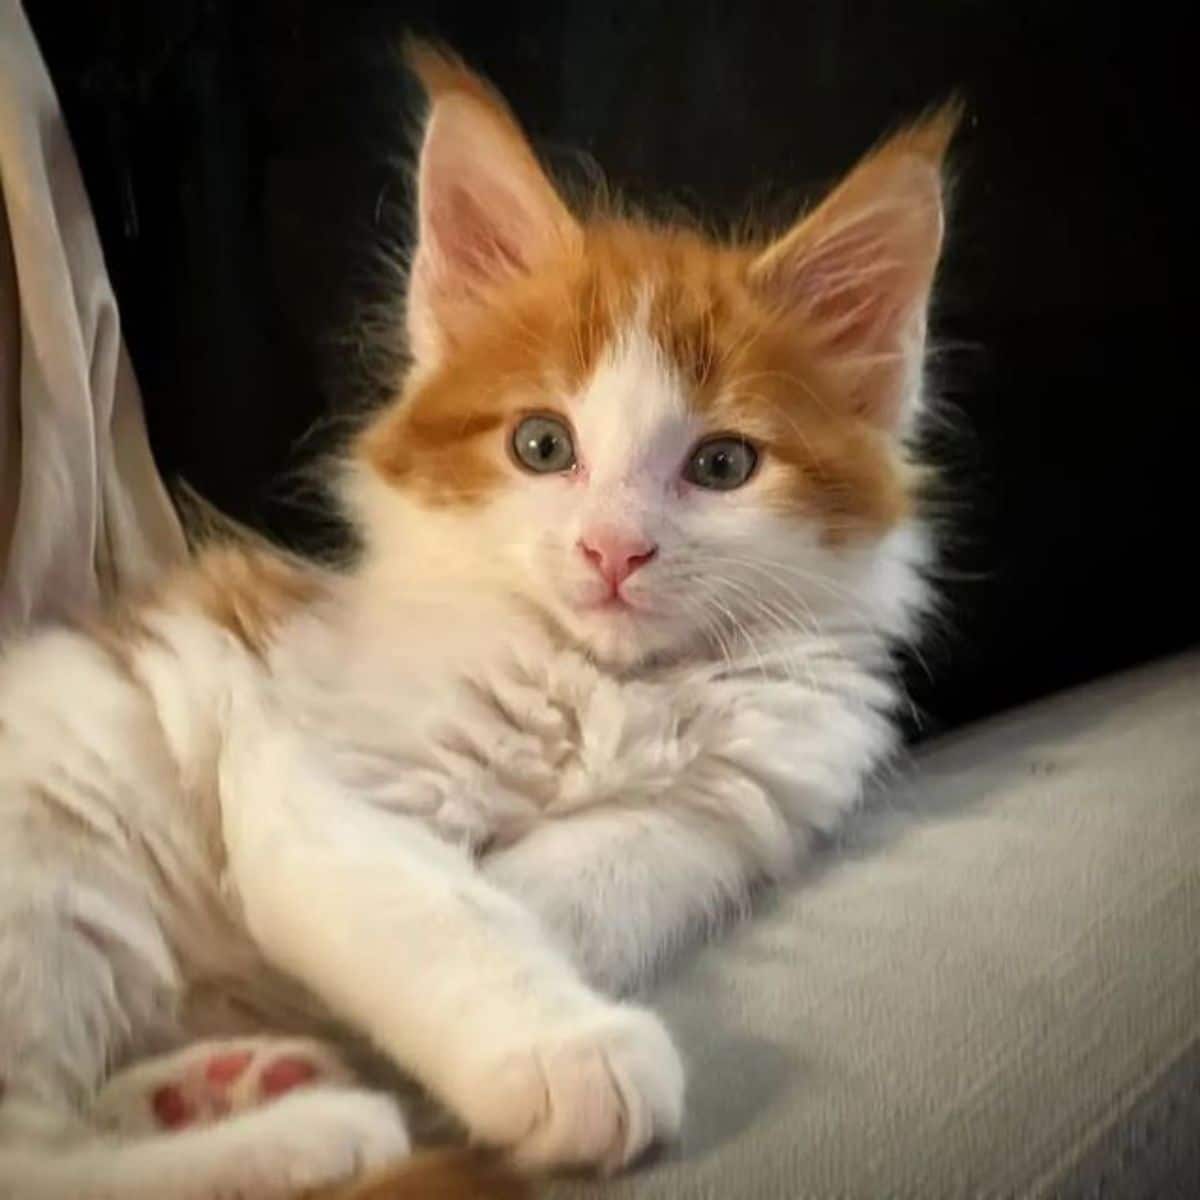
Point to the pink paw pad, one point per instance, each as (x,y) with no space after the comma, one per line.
(206,1086)
(203,1083)
(286,1073)
(170,1107)
(223,1069)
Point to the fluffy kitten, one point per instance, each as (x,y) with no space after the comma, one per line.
(638,532)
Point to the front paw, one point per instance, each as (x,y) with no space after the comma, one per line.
(595,1091)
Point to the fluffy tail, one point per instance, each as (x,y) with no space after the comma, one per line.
(437,1175)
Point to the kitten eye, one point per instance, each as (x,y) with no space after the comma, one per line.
(543,445)
(721,463)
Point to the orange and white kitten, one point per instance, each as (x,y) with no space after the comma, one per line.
(638,532)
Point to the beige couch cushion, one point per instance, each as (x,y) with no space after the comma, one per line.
(992,988)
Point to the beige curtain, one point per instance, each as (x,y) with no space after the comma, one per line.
(82,508)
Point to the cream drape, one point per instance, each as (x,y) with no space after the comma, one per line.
(83,510)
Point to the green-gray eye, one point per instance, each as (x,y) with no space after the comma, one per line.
(543,444)
(721,463)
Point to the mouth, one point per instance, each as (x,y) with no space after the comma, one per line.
(617,629)
(612,603)
(616,603)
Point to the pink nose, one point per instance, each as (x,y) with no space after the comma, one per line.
(616,556)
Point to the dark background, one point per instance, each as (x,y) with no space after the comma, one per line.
(241,157)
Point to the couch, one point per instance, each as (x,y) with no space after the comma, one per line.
(989,987)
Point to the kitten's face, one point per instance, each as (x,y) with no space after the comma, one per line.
(637,444)
(653,438)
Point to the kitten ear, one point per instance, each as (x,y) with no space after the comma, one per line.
(486,210)
(857,272)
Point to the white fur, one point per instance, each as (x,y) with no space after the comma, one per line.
(460,799)
(305,1140)
(453,802)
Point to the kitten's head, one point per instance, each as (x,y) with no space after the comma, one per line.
(655,438)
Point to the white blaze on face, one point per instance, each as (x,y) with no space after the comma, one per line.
(634,432)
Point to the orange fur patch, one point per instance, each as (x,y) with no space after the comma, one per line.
(801,344)
(746,369)
(245,589)
(437,1175)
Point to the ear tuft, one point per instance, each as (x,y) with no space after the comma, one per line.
(441,71)
(930,135)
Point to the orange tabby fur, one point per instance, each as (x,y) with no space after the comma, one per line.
(713,312)
(438,1175)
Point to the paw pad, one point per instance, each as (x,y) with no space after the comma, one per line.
(203,1083)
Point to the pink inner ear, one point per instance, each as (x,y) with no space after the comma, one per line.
(474,246)
(860,285)
(857,277)
(850,297)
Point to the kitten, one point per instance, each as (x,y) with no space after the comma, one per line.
(638,532)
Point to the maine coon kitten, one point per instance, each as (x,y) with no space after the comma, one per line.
(638,532)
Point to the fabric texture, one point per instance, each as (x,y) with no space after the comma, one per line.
(991,988)
(82,508)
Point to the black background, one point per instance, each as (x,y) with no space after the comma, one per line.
(241,157)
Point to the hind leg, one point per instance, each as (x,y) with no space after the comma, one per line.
(310,1138)
(85,979)
(210,1080)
